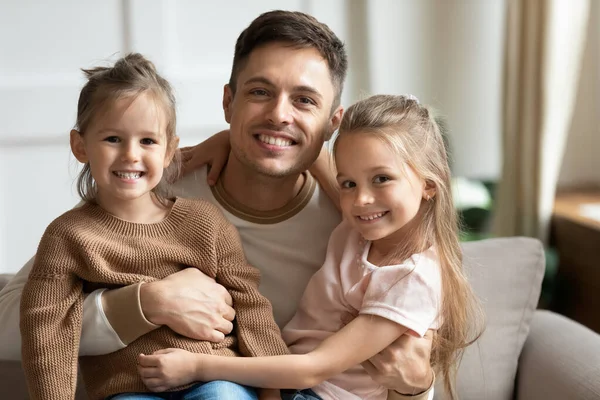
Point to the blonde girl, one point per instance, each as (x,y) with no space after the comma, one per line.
(129,231)
(394,264)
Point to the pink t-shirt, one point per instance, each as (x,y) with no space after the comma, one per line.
(409,294)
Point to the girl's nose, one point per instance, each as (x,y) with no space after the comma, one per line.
(363,197)
(131,153)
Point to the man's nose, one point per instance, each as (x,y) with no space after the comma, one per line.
(281,111)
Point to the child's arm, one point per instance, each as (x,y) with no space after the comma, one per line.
(214,151)
(358,341)
(256,330)
(324,171)
(51,314)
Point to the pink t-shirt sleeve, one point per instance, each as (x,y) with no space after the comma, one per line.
(408,294)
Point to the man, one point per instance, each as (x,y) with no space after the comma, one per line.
(282,102)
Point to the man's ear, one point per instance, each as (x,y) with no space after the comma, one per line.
(171,149)
(227,100)
(334,121)
(78,147)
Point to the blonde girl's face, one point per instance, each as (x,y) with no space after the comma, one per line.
(127,149)
(379,193)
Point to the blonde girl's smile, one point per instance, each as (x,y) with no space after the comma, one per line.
(370,218)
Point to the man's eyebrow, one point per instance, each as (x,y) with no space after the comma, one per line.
(299,88)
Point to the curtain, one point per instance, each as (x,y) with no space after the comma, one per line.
(545,41)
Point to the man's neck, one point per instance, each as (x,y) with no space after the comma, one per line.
(259,192)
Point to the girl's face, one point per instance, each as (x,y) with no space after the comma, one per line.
(379,193)
(127,149)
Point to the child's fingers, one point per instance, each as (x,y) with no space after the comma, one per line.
(155,385)
(214,171)
(164,351)
(148,372)
(147,361)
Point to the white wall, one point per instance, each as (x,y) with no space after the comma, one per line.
(447,52)
(581,161)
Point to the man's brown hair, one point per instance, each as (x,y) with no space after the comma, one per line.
(298,30)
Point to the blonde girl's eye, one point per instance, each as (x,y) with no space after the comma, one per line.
(112,139)
(147,141)
(381,179)
(347,184)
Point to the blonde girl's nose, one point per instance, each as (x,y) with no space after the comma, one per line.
(363,197)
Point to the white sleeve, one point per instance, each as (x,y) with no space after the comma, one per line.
(97,336)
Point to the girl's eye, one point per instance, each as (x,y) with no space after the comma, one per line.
(147,141)
(347,184)
(381,179)
(112,139)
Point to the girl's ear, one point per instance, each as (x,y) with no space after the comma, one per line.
(171,149)
(429,190)
(78,147)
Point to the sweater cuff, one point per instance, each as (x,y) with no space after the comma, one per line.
(426,395)
(123,310)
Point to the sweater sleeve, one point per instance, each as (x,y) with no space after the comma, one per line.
(51,315)
(258,335)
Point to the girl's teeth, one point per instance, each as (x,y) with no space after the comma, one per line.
(128,175)
(371,217)
(274,141)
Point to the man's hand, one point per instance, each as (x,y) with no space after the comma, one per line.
(191,304)
(167,369)
(404,366)
(214,151)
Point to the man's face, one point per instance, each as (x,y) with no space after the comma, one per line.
(281,112)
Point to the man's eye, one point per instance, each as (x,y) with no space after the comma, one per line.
(112,139)
(381,179)
(306,100)
(147,141)
(259,92)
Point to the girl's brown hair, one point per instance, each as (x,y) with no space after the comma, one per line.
(412,132)
(129,77)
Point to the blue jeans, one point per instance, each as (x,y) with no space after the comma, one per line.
(306,394)
(214,390)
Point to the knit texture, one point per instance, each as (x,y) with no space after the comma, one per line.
(87,248)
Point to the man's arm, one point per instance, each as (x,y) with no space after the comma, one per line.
(98,337)
(404,367)
(186,301)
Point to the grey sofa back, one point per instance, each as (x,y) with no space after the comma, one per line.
(506,274)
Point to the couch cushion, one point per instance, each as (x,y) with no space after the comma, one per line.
(4,278)
(506,275)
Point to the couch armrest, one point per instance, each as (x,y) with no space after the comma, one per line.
(560,360)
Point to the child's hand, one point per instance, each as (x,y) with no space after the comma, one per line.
(214,151)
(167,369)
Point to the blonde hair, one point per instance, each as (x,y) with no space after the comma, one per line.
(129,77)
(413,133)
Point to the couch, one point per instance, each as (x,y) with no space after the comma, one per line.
(524,353)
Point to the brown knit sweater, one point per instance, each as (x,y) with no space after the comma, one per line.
(89,248)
